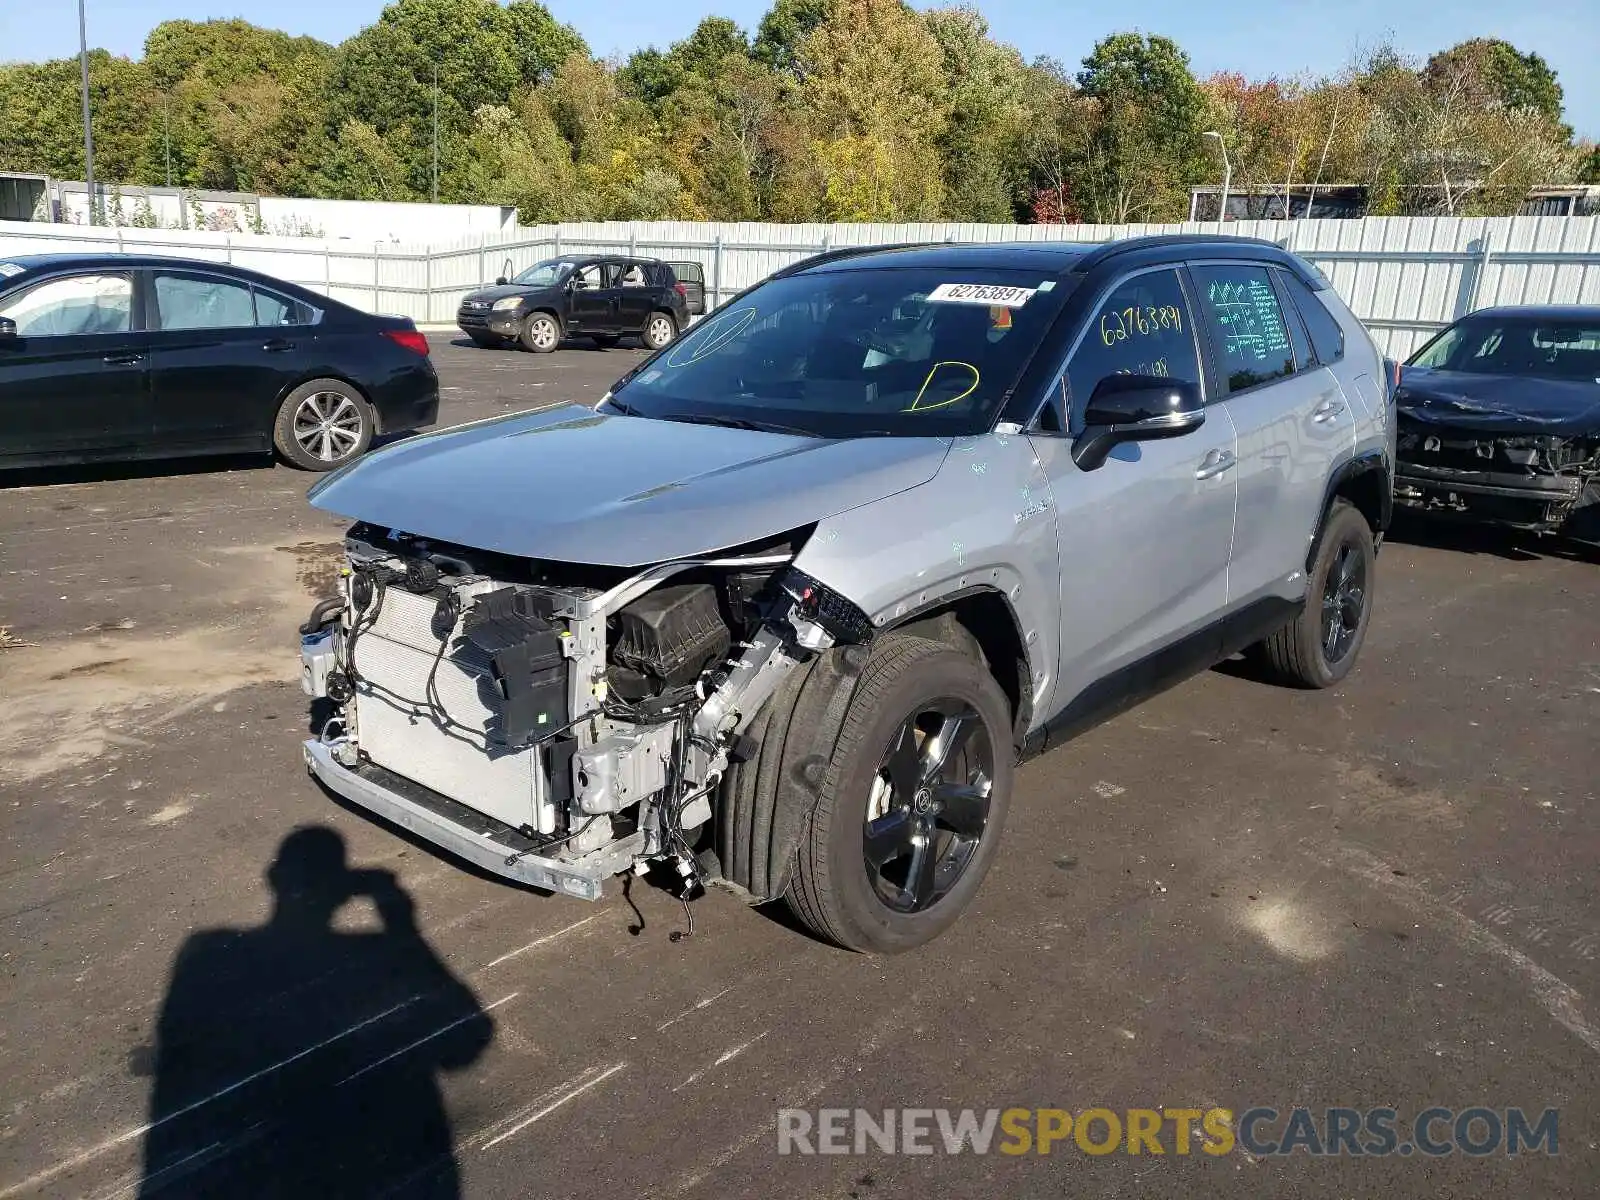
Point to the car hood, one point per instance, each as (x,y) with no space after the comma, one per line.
(501,291)
(1499,404)
(573,485)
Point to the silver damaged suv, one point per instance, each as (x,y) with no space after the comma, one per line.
(784,612)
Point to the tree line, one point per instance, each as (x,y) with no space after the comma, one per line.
(833,110)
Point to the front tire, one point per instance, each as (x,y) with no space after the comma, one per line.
(323,424)
(658,330)
(540,333)
(1319,647)
(910,812)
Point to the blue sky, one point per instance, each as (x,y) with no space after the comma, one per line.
(1259,39)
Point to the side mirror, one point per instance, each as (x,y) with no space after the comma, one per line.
(8,330)
(501,281)
(1135,408)
(576,283)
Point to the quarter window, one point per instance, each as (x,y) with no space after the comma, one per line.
(1241,310)
(203,302)
(1142,328)
(273,309)
(77,304)
(1327,335)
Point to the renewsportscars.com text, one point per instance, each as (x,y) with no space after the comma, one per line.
(1259,1131)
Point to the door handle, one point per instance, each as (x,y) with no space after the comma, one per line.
(278,345)
(1327,410)
(1215,463)
(124,358)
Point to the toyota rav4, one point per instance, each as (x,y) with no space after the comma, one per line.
(787,608)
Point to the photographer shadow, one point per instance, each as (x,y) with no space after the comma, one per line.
(295,1059)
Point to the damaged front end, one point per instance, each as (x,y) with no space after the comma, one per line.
(1540,482)
(553,723)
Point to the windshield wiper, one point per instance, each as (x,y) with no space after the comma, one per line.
(736,423)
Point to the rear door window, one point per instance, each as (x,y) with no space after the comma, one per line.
(202,302)
(74,304)
(1246,323)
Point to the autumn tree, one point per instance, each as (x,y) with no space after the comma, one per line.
(872,81)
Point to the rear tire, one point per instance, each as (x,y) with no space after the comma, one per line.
(861,877)
(540,333)
(1319,647)
(323,424)
(659,329)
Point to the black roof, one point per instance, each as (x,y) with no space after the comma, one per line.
(1060,257)
(1541,312)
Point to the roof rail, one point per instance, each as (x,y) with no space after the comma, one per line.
(827,256)
(1109,250)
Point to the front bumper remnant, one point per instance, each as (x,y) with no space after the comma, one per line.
(466,833)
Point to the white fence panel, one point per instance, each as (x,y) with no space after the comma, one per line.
(1406,277)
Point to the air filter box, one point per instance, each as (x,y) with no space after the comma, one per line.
(670,635)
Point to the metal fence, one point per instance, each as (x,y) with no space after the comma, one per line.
(1406,277)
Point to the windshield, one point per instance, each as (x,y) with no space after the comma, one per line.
(543,274)
(1517,346)
(876,350)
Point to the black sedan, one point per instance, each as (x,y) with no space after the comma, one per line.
(121,356)
(1499,420)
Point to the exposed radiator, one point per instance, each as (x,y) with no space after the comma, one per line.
(395,727)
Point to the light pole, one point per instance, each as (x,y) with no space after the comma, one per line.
(1227,176)
(88,132)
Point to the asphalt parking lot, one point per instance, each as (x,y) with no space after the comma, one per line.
(1233,896)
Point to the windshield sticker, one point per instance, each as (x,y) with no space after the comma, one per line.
(980,293)
(7,270)
(713,334)
(918,406)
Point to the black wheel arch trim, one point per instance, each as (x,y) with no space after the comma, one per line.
(1022,716)
(1367,463)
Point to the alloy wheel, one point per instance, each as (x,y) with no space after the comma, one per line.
(929,805)
(1344,599)
(327,425)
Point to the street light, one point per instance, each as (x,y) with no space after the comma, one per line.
(88,133)
(1227,175)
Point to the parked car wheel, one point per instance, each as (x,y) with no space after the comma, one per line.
(659,330)
(1319,647)
(911,809)
(323,424)
(540,333)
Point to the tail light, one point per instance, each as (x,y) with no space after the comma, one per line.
(681,290)
(413,340)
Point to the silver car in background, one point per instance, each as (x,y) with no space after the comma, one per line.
(787,608)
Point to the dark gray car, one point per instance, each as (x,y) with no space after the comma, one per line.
(787,608)
(597,296)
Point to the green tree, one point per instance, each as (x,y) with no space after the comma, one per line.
(1148,114)
(784,29)
(1499,75)
(981,148)
(383,77)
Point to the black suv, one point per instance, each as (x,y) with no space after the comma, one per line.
(598,296)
